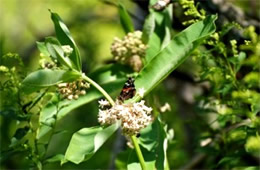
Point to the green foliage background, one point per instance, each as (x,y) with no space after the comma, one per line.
(93,25)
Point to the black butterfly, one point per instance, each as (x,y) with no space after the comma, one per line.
(128,90)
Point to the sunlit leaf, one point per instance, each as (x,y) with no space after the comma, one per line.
(153,141)
(110,77)
(42,48)
(65,38)
(174,54)
(56,52)
(45,78)
(125,19)
(148,28)
(134,164)
(86,142)
(161,33)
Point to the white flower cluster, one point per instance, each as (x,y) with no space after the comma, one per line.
(67,49)
(133,116)
(129,50)
(73,90)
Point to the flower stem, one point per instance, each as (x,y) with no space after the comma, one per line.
(138,152)
(99,88)
(111,101)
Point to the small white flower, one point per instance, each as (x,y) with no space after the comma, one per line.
(140,92)
(67,49)
(62,84)
(134,116)
(103,103)
(165,107)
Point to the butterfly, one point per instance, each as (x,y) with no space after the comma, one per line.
(128,90)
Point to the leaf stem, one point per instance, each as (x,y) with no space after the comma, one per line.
(99,88)
(138,152)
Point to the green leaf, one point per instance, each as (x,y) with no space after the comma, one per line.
(86,142)
(110,77)
(56,158)
(134,164)
(173,55)
(45,78)
(125,19)
(154,47)
(50,111)
(153,141)
(250,168)
(42,48)
(148,28)
(229,161)
(64,37)
(55,50)
(161,34)
(167,21)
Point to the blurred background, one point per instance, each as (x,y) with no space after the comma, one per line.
(93,25)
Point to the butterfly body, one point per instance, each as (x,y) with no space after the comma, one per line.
(128,90)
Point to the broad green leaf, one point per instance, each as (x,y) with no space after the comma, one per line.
(154,47)
(148,28)
(45,78)
(149,137)
(153,141)
(42,48)
(167,21)
(110,77)
(125,19)
(55,50)
(50,111)
(134,164)
(64,37)
(174,54)
(161,150)
(56,158)
(161,34)
(86,142)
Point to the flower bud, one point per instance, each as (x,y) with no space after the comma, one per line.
(126,50)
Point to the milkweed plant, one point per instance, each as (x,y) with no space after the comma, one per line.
(39,100)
